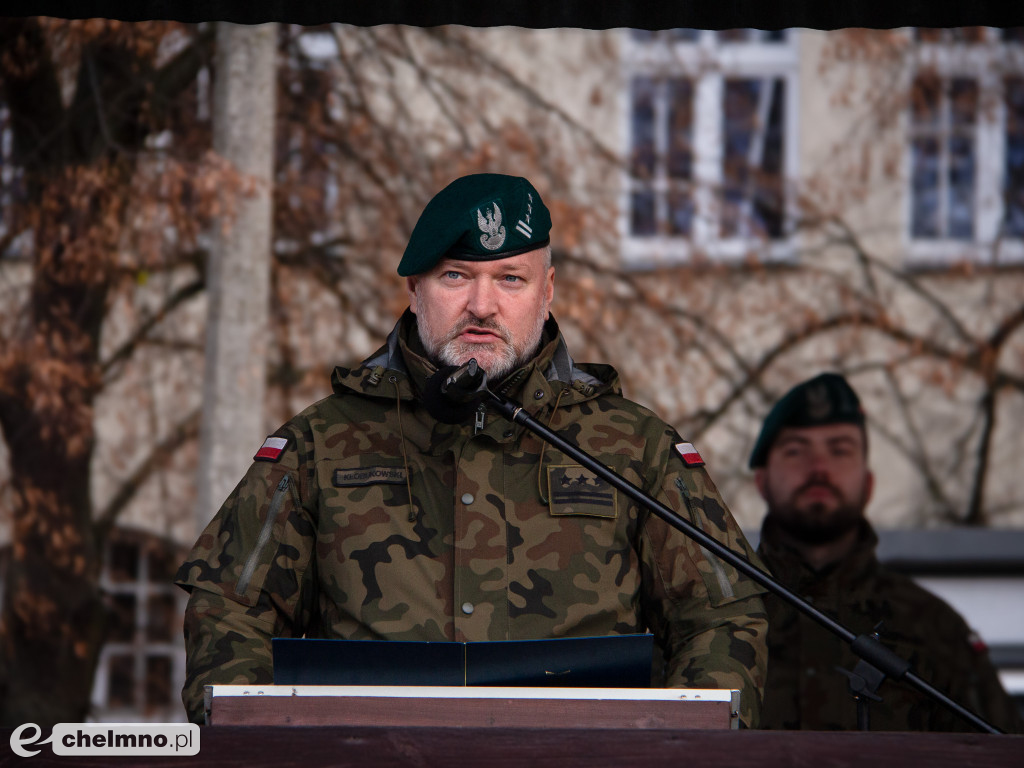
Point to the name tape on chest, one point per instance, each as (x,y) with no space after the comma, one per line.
(272,449)
(369,476)
(689,455)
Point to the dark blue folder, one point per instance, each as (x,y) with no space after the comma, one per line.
(616,661)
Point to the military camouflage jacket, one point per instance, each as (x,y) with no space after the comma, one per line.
(379,522)
(805,691)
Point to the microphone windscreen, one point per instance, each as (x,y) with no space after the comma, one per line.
(441,405)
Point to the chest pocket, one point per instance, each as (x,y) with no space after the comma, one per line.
(575,490)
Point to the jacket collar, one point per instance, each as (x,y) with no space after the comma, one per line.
(789,567)
(402,362)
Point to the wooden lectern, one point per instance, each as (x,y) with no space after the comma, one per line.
(473,707)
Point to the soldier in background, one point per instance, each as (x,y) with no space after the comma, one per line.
(810,465)
(367,516)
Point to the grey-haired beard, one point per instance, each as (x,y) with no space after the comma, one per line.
(449,350)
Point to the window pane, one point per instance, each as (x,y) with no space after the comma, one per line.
(124,562)
(949,35)
(1013,180)
(122,619)
(964,102)
(678,35)
(680,129)
(680,213)
(162,618)
(683,35)
(734,35)
(963,98)
(969,34)
(741,100)
(643,146)
(925,186)
(753,158)
(752,36)
(121,689)
(961,189)
(163,564)
(768,202)
(642,221)
(924,102)
(158,682)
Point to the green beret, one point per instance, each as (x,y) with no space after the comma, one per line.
(826,399)
(482,217)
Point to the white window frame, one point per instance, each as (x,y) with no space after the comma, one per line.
(709,63)
(139,648)
(987,63)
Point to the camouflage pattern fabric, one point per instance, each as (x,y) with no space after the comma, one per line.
(379,522)
(805,691)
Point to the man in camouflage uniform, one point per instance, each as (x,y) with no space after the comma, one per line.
(368,517)
(810,465)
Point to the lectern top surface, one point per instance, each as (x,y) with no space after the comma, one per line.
(477,692)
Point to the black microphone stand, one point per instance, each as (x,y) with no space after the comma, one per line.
(469,382)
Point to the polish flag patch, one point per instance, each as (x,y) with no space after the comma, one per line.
(690,456)
(271,449)
(977,644)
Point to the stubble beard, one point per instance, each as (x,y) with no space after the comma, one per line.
(498,359)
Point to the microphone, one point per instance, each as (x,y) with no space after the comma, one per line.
(465,383)
(453,393)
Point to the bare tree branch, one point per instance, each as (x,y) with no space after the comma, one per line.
(975,512)
(185,431)
(143,330)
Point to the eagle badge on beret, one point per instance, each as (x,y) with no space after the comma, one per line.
(493,236)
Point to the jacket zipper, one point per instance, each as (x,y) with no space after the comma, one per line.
(264,537)
(716,564)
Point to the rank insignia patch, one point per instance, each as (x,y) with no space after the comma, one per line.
(271,449)
(575,490)
(690,456)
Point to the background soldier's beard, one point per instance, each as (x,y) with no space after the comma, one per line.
(817,522)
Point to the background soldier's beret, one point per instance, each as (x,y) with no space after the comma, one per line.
(481,217)
(826,399)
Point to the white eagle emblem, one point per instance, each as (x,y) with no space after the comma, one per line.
(493,236)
